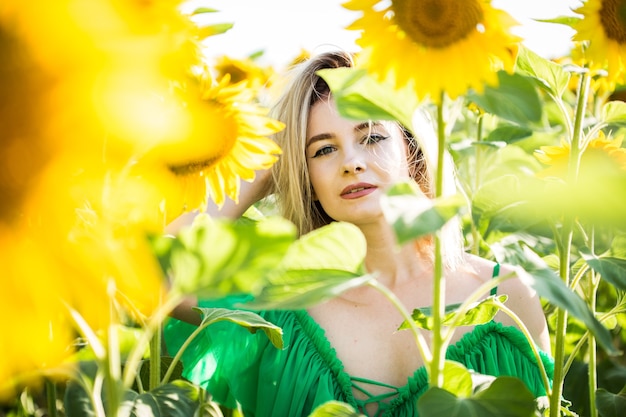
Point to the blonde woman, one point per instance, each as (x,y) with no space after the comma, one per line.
(348,349)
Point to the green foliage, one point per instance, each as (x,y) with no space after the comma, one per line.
(251,321)
(505,397)
(413,215)
(477,313)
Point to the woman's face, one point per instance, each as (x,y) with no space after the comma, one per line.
(351,164)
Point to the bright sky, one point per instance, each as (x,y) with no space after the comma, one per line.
(283,27)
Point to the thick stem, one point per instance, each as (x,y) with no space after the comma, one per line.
(477,165)
(155,359)
(564,253)
(435,374)
(51,397)
(594,283)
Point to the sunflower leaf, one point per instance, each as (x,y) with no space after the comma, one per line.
(534,273)
(514,99)
(614,113)
(413,215)
(505,396)
(251,321)
(320,265)
(360,97)
(335,409)
(613,270)
(478,313)
(551,76)
(215,257)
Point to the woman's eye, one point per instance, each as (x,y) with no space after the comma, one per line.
(374,138)
(323,151)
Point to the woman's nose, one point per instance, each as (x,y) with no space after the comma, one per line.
(353,163)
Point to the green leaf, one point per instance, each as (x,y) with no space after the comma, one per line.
(457,379)
(478,313)
(508,134)
(360,97)
(613,270)
(176,399)
(515,99)
(166,362)
(550,75)
(216,257)
(412,214)
(214,29)
(320,265)
(609,404)
(534,272)
(76,400)
(202,10)
(505,397)
(251,321)
(614,113)
(335,409)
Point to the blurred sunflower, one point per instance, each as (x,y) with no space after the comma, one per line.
(601,156)
(246,69)
(602,29)
(228,142)
(435,44)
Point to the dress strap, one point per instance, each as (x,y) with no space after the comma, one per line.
(496,272)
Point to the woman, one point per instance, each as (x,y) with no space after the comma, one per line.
(348,349)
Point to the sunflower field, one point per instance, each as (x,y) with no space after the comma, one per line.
(113,127)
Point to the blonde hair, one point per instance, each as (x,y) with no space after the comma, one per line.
(292,185)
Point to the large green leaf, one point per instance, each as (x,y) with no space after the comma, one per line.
(478,313)
(216,257)
(412,214)
(514,99)
(611,269)
(609,404)
(534,272)
(505,397)
(176,399)
(360,97)
(335,409)
(320,265)
(550,75)
(251,321)
(614,113)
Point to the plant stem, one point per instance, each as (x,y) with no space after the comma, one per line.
(155,359)
(435,376)
(477,165)
(422,345)
(51,397)
(134,358)
(564,253)
(594,282)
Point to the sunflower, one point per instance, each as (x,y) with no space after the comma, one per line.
(601,156)
(228,141)
(602,30)
(246,69)
(435,44)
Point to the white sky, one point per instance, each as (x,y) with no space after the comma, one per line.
(283,27)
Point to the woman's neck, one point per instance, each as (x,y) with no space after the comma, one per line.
(392,264)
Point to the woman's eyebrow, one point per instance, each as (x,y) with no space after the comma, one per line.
(321,136)
(366,126)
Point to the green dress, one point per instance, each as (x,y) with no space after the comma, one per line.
(236,366)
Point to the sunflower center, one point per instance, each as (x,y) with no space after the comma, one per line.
(191,168)
(613,19)
(437,23)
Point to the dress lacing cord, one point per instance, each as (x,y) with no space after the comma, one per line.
(381,400)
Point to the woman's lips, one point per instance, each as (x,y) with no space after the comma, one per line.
(357,190)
